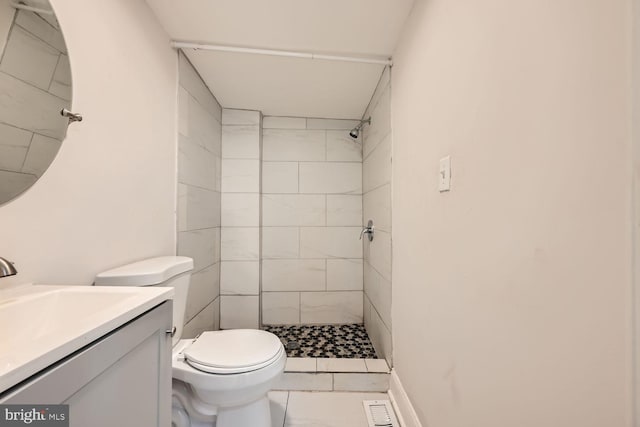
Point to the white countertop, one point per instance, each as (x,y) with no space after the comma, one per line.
(41,324)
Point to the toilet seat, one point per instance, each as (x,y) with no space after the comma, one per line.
(233,351)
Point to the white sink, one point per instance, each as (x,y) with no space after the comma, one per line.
(42,324)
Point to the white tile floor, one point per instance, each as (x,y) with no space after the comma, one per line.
(319,409)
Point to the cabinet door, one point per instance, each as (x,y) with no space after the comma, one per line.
(123,379)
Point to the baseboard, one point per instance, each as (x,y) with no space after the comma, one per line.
(401,403)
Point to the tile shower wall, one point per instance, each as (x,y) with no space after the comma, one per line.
(377,206)
(199,185)
(35,66)
(311,220)
(240,267)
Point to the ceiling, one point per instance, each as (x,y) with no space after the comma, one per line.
(288,86)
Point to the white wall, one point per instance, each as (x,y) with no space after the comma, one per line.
(511,293)
(376,203)
(199,181)
(636,197)
(311,219)
(109,196)
(240,245)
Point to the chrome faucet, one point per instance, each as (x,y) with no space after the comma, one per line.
(7,268)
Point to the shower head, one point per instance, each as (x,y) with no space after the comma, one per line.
(355,132)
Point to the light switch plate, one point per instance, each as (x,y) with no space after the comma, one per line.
(444,176)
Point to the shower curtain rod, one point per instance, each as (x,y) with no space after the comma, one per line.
(271,52)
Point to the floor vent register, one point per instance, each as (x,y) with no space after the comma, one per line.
(380,413)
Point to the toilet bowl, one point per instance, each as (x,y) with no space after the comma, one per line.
(219,377)
(231,384)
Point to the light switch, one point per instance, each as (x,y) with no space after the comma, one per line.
(444,178)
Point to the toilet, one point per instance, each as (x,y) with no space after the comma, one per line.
(220,378)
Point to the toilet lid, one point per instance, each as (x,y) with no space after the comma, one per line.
(233,351)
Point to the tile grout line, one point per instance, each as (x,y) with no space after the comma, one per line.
(376,146)
(286,408)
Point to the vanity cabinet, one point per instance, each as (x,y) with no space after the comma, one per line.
(122,379)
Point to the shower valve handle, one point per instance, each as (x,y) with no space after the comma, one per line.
(368,230)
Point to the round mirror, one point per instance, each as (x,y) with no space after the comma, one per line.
(35,85)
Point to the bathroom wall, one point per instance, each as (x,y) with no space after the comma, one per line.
(635,130)
(34,67)
(512,292)
(240,274)
(376,185)
(311,219)
(110,195)
(199,186)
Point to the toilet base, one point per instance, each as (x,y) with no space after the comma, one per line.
(255,414)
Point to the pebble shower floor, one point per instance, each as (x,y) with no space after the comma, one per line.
(337,341)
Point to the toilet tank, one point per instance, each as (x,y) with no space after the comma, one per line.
(172,271)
